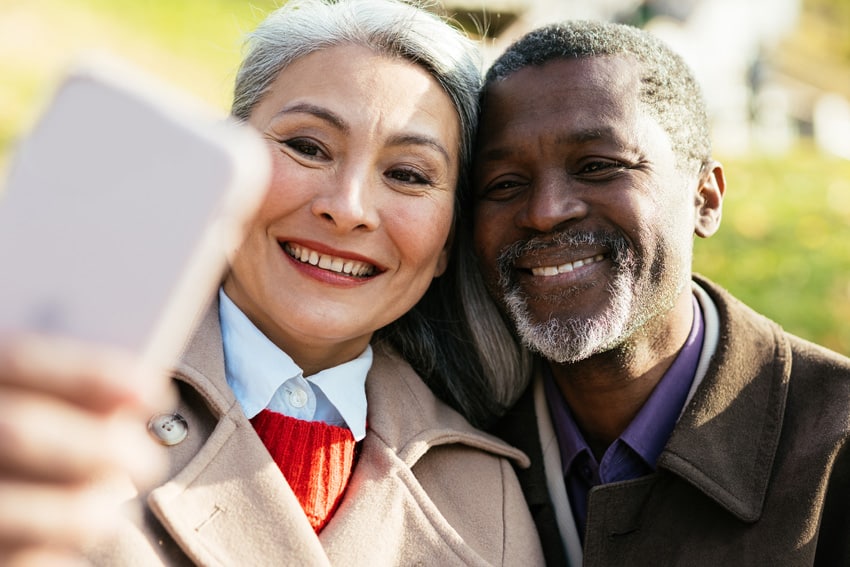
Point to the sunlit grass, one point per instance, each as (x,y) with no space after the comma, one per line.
(784,243)
(192,44)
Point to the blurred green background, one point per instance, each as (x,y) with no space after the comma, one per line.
(783,247)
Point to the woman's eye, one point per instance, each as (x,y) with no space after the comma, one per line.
(408,176)
(304,147)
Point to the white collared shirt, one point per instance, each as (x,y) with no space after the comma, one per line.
(262,376)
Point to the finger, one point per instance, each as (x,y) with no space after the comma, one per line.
(41,557)
(69,518)
(45,439)
(96,377)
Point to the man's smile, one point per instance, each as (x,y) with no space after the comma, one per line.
(547,271)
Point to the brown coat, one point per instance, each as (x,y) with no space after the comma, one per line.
(428,489)
(756,471)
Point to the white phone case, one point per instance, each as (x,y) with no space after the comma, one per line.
(119,210)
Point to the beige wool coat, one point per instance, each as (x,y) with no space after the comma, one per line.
(428,488)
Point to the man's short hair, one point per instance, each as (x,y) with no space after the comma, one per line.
(670,91)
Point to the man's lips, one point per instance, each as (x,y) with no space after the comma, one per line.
(347,266)
(554,270)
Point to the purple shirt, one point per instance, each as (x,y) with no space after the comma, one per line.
(635,452)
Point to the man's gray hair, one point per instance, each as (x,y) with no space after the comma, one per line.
(670,93)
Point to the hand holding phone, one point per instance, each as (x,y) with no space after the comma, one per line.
(119,211)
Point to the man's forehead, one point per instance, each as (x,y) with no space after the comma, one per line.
(591,102)
(566,70)
(589,93)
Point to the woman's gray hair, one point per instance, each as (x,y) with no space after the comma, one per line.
(388,27)
(435,337)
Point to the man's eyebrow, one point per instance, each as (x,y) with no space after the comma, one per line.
(318,111)
(575,138)
(495,154)
(587,135)
(419,140)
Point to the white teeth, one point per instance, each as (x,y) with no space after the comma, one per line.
(331,263)
(547,271)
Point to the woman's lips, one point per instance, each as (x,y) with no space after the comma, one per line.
(341,265)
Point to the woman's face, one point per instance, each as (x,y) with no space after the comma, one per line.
(356,222)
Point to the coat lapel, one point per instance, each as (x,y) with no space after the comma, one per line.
(406,415)
(384,497)
(226,489)
(727,437)
(521,427)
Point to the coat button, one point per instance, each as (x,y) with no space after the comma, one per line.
(168,428)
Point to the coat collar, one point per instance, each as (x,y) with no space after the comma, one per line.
(202,364)
(226,488)
(407,416)
(402,410)
(727,437)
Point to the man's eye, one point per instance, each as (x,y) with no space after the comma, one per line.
(600,167)
(503,189)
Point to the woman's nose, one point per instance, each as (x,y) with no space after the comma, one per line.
(349,202)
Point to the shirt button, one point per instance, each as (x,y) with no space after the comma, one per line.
(298,398)
(168,428)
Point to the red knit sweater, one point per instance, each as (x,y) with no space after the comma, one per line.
(315,458)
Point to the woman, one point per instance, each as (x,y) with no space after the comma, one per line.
(299,437)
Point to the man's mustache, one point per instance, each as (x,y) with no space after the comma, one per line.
(615,244)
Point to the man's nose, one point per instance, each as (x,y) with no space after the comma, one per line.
(553,201)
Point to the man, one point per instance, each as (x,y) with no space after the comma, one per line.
(667,423)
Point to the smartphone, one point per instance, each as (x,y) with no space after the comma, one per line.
(120,209)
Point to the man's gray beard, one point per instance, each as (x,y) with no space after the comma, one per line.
(575,339)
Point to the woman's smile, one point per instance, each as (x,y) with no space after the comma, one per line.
(356,222)
(346,265)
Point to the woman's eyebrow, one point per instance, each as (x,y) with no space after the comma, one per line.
(338,122)
(318,111)
(419,140)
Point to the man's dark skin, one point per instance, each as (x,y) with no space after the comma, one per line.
(567,146)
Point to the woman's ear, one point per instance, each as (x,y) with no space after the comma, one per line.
(443,261)
(709,199)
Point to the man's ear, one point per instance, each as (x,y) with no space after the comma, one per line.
(709,199)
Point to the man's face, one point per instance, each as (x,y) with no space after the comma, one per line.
(583,223)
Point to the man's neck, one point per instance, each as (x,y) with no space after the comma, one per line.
(606,391)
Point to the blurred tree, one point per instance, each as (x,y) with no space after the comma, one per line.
(832,19)
(818,52)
